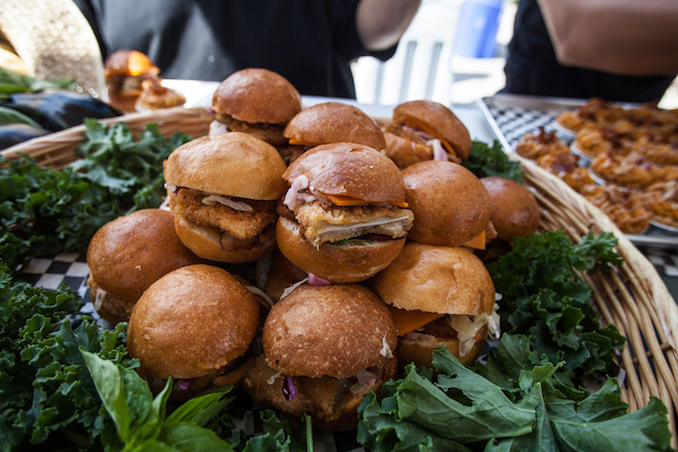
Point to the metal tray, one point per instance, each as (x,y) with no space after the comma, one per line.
(511,116)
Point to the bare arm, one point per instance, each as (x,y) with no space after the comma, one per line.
(629,37)
(381,23)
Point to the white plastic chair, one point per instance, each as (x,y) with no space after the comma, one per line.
(420,68)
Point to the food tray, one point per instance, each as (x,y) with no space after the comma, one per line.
(633,298)
(511,116)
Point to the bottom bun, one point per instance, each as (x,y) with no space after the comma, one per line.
(339,264)
(330,404)
(205,243)
(420,350)
(200,385)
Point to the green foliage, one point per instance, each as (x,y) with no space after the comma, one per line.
(485,160)
(544,298)
(113,158)
(45,389)
(504,408)
(13,82)
(142,424)
(44,212)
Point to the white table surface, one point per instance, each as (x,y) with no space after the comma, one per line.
(199,94)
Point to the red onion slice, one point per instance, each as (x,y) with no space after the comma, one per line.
(288,389)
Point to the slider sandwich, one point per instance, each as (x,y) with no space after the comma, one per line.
(255,101)
(344,216)
(125,72)
(223,190)
(127,255)
(330,122)
(439,295)
(450,204)
(515,211)
(194,325)
(425,130)
(324,349)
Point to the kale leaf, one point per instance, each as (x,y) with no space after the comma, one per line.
(44,212)
(544,298)
(46,392)
(504,408)
(485,160)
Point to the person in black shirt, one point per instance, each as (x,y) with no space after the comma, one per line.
(309,42)
(618,50)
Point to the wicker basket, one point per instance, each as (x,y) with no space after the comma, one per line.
(634,298)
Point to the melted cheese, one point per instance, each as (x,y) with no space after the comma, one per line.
(468,326)
(409,321)
(348,201)
(478,242)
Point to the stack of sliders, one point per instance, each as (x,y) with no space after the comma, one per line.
(360,267)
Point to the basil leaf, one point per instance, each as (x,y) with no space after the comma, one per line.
(11,116)
(189,437)
(201,409)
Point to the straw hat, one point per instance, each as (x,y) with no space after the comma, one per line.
(53,39)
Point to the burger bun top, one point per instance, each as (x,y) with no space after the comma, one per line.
(128,254)
(450,204)
(333,122)
(440,279)
(233,164)
(439,121)
(129,63)
(257,95)
(350,169)
(191,322)
(515,211)
(336,330)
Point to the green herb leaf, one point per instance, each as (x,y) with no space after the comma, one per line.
(46,393)
(11,116)
(545,299)
(533,410)
(485,160)
(13,82)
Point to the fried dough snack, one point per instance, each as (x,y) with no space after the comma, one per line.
(595,112)
(658,149)
(566,166)
(661,199)
(533,146)
(631,171)
(625,208)
(592,141)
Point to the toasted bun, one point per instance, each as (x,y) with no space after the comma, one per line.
(404,151)
(349,169)
(333,122)
(335,330)
(204,241)
(128,254)
(128,62)
(420,351)
(450,204)
(338,264)
(257,96)
(439,121)
(232,164)
(440,279)
(515,211)
(190,322)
